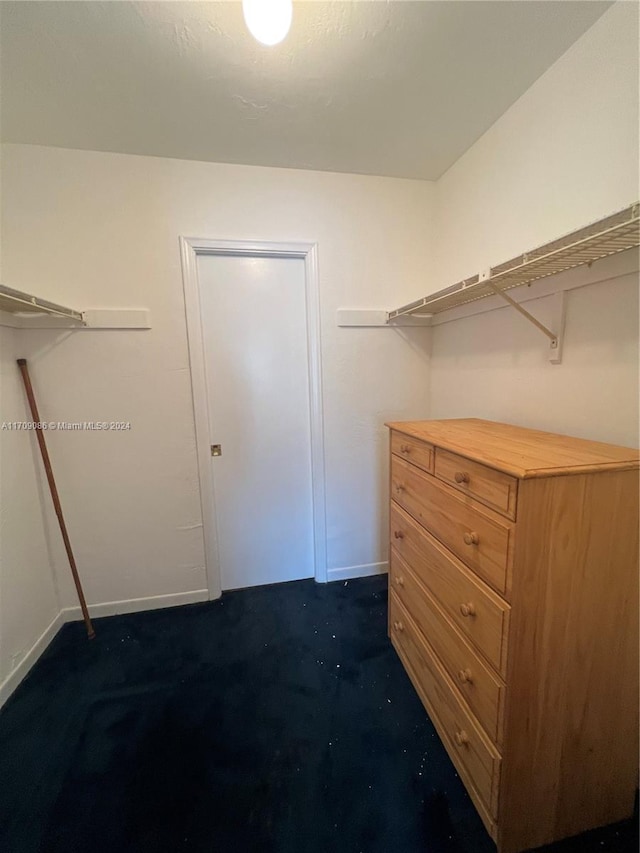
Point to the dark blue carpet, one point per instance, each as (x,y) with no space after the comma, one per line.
(278,719)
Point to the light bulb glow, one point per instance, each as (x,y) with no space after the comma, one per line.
(268,21)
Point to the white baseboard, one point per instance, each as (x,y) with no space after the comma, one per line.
(363,571)
(15,676)
(134,605)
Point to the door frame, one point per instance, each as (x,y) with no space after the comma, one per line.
(190,249)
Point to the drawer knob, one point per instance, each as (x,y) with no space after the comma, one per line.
(465,676)
(461,737)
(399,580)
(398,534)
(468,609)
(398,626)
(471,538)
(405,448)
(399,488)
(461,477)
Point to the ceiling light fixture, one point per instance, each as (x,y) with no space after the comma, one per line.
(268,21)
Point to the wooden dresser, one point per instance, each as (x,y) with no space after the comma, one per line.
(513,606)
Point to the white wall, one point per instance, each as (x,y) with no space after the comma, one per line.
(564,155)
(101,230)
(28,600)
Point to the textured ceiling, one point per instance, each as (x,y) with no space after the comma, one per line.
(399,89)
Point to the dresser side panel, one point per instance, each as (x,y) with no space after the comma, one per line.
(571,722)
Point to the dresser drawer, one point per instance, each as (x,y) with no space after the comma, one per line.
(475,757)
(417,452)
(493,488)
(481,615)
(482,689)
(482,539)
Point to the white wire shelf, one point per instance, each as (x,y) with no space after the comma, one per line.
(17,302)
(20,310)
(608,236)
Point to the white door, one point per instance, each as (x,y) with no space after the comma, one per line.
(256,362)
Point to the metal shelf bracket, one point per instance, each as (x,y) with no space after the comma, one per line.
(555,338)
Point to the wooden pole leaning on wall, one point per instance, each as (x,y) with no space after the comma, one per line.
(22,364)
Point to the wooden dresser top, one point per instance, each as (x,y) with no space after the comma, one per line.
(518,451)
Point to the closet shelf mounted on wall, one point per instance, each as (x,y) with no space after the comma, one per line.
(609,236)
(615,233)
(21,310)
(17,302)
